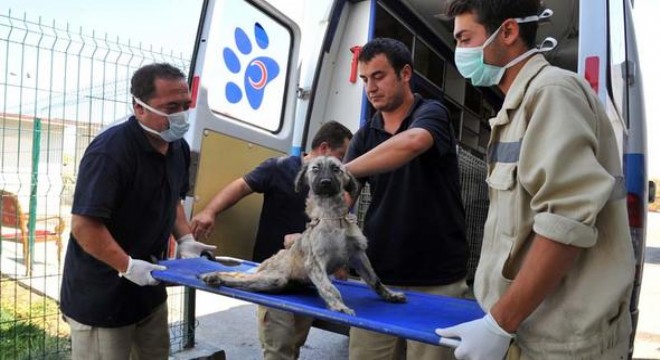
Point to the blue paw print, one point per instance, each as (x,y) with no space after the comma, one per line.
(259,71)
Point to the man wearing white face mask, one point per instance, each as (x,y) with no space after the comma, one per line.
(556,267)
(126,206)
(177,123)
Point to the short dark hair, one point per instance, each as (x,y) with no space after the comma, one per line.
(143,82)
(492,13)
(332,133)
(397,53)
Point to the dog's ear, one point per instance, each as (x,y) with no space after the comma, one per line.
(351,185)
(301,178)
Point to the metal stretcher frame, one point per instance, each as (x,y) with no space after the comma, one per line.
(416,319)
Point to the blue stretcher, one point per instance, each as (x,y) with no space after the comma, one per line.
(416,319)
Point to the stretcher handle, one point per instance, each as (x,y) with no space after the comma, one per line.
(208,255)
(450,342)
(225,260)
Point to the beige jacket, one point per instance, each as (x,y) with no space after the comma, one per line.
(554,170)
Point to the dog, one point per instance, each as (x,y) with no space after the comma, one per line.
(331,241)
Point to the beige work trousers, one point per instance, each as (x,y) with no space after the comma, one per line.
(617,352)
(364,344)
(281,333)
(145,340)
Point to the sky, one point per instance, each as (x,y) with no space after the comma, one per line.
(172,25)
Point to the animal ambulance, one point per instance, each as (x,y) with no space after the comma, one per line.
(267,74)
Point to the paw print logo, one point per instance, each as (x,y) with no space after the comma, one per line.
(258,72)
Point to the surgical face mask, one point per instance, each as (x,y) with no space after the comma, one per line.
(470,61)
(178,123)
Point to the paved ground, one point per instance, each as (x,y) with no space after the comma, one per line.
(230,324)
(647,341)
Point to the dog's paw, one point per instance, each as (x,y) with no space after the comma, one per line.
(340,307)
(212,278)
(347,311)
(396,297)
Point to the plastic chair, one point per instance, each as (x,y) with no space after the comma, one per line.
(15,227)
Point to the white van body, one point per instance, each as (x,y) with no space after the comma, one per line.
(266,75)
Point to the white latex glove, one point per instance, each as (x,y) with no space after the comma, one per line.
(481,339)
(139,272)
(189,248)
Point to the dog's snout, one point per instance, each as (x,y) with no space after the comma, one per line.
(323,179)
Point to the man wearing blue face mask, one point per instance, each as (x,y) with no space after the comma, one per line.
(556,267)
(126,206)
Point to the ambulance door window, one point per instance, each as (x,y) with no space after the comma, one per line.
(389,26)
(249,63)
(428,63)
(618,64)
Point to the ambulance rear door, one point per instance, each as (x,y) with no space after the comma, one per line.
(244,82)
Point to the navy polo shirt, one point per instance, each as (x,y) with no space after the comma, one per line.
(283,210)
(415,223)
(134,190)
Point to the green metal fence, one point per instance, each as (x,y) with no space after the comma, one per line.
(58,88)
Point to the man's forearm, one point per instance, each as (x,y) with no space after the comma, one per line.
(181,225)
(229,196)
(546,264)
(392,153)
(96,240)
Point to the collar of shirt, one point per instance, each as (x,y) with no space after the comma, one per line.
(378,123)
(520,84)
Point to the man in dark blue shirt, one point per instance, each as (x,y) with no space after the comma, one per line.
(283,212)
(126,206)
(415,223)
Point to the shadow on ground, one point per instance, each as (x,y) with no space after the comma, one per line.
(235,331)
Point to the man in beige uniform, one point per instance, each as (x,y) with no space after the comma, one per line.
(556,265)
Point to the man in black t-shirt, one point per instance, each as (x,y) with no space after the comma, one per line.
(126,206)
(283,212)
(415,223)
